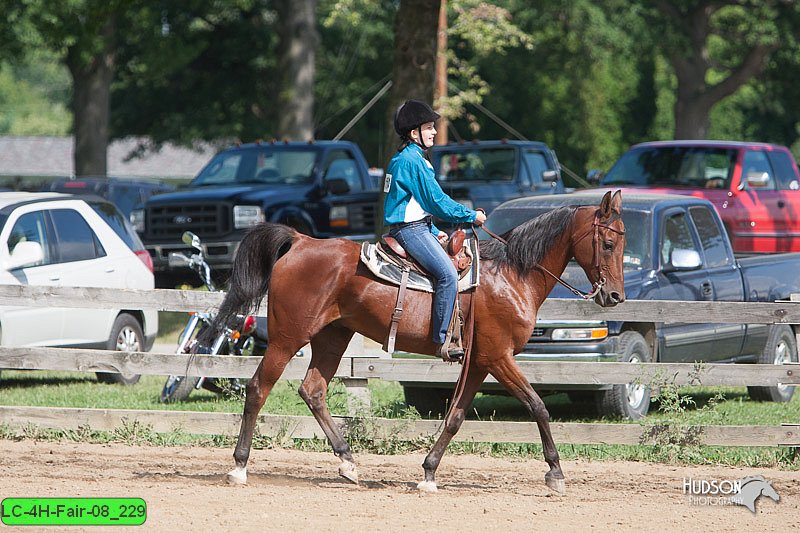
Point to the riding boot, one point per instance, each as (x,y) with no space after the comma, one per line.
(452,350)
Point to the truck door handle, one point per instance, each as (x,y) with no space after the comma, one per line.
(706,288)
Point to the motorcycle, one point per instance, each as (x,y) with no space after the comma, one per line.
(251,338)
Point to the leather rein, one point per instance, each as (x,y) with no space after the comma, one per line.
(601,281)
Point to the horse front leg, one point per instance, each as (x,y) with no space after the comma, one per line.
(327,348)
(258,388)
(508,373)
(452,422)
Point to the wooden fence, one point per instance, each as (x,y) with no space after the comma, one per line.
(355,371)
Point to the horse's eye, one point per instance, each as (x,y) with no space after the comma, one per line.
(608,245)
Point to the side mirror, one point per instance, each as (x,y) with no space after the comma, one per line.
(594,176)
(25,254)
(190,239)
(684,260)
(177,260)
(550,175)
(757,180)
(337,186)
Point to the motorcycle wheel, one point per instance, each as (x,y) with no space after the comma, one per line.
(178,388)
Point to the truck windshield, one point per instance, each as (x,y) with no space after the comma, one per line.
(637,231)
(674,166)
(487,164)
(259,165)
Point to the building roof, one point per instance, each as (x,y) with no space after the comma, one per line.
(53,156)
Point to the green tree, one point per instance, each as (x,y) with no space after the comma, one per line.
(715,47)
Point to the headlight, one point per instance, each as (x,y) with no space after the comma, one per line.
(245,216)
(137,220)
(579,334)
(339,216)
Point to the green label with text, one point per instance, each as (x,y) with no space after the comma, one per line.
(73,511)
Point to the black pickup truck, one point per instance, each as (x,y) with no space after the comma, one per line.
(322,188)
(487,173)
(676,249)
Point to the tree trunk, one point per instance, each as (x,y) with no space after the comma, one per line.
(91,82)
(414,72)
(299,38)
(440,92)
(414,69)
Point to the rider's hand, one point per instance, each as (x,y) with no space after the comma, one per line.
(480,218)
(442,237)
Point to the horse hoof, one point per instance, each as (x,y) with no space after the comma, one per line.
(237,476)
(558,485)
(348,471)
(427,486)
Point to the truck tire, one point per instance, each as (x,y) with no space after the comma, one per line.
(781,348)
(126,336)
(429,402)
(630,401)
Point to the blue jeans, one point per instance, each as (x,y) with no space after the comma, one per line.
(416,238)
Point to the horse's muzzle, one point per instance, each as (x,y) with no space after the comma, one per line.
(609,298)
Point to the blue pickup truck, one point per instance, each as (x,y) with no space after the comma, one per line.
(322,188)
(676,249)
(487,173)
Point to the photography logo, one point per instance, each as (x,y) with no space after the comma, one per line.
(745,491)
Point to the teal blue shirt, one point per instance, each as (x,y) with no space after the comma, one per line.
(412,192)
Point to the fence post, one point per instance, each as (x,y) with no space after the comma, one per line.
(359,399)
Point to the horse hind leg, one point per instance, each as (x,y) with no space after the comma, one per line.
(452,422)
(269,370)
(508,373)
(327,348)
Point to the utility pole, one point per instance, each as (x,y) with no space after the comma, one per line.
(440,88)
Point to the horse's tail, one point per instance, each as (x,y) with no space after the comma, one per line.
(252,268)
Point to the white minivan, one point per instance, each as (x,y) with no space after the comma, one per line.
(67,241)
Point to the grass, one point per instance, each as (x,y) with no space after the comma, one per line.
(69,389)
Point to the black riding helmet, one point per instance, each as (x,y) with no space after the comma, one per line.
(411,115)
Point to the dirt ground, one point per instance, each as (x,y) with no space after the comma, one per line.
(300,491)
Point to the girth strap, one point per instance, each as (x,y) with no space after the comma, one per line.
(388,346)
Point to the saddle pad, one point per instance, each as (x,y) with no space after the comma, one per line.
(387,270)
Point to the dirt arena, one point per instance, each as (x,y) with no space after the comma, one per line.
(300,491)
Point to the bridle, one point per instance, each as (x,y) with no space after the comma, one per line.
(601,281)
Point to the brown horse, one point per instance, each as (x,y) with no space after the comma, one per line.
(319,292)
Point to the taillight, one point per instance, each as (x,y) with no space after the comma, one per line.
(144,256)
(249,326)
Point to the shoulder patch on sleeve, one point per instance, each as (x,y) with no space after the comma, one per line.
(387,183)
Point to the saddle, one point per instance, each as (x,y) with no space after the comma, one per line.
(389,261)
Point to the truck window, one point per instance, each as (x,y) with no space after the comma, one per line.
(487,164)
(676,166)
(537,163)
(263,165)
(717,254)
(784,170)
(341,165)
(756,164)
(676,235)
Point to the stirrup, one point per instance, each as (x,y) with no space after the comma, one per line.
(450,352)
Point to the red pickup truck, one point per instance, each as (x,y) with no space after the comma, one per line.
(754,186)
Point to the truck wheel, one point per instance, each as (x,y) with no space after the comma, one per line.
(126,336)
(631,401)
(429,402)
(781,348)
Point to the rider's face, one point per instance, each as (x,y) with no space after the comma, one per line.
(428,133)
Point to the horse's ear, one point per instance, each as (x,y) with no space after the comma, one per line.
(616,202)
(605,205)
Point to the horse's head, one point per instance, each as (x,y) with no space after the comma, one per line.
(601,255)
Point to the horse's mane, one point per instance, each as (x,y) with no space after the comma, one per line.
(529,242)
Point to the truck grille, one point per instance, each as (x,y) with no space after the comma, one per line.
(537,332)
(361,216)
(207,221)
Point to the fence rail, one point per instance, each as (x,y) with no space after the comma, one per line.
(783,312)
(355,371)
